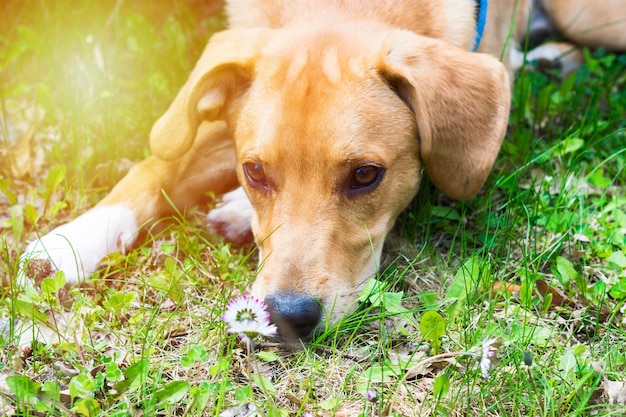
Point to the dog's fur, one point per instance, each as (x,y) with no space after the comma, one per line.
(326,113)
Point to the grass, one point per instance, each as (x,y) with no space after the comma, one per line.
(537,260)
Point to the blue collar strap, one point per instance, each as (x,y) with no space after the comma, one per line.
(481,20)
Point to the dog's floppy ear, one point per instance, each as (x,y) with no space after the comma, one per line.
(461,103)
(226,66)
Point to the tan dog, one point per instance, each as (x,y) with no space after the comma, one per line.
(326,113)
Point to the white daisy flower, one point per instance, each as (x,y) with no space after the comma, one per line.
(248,317)
(490,348)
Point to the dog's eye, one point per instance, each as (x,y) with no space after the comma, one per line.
(365,177)
(255,175)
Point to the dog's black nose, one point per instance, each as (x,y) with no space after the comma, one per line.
(296,315)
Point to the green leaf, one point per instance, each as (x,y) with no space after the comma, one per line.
(441,385)
(56,208)
(159,283)
(24,389)
(618,291)
(47,397)
(5,188)
(199,353)
(619,215)
(392,302)
(378,373)
(51,390)
(538,335)
(168,248)
(169,283)
(51,285)
(565,271)
(117,301)
(112,372)
(567,364)
(389,302)
(264,383)
(17,220)
(617,259)
(172,393)
(428,298)
(599,290)
(134,376)
(243,394)
(82,386)
(186,361)
(267,356)
(221,366)
(579,349)
(59,279)
(54,178)
(432,325)
(598,179)
(446,213)
(464,281)
(87,407)
(30,311)
(330,404)
(99,379)
(202,396)
(30,214)
(371,292)
(570,145)
(48,286)
(567,84)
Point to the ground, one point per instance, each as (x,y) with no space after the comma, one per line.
(537,261)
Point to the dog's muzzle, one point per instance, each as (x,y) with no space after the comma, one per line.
(296,315)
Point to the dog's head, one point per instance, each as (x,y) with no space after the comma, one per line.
(332,131)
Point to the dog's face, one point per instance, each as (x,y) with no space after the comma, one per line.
(332,131)
(328,157)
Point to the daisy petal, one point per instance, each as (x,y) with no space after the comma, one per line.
(248,317)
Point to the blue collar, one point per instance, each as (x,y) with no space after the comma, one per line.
(481,21)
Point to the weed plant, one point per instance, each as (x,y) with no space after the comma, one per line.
(537,260)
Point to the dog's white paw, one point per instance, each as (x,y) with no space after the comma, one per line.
(558,55)
(76,247)
(232,216)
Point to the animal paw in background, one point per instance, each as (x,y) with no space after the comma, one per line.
(232,217)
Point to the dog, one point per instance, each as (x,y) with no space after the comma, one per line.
(318,121)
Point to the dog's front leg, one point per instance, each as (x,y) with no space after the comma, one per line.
(142,197)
